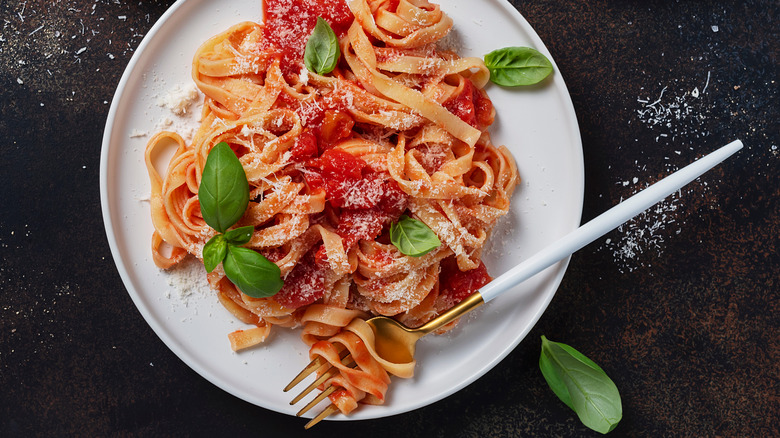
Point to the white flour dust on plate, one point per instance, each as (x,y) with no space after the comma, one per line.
(675,116)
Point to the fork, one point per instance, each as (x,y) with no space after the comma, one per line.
(396,343)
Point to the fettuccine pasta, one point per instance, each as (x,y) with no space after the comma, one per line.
(399,127)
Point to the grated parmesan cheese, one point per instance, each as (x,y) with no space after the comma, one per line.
(303,77)
(179,99)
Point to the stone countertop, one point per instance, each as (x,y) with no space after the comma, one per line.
(679,306)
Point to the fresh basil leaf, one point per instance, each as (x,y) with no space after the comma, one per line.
(214,252)
(585,387)
(322,49)
(240,236)
(555,382)
(224,191)
(515,66)
(412,237)
(569,349)
(254,274)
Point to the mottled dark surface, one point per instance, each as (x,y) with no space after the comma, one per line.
(680,306)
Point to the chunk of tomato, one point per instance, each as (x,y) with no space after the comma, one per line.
(458,284)
(305,284)
(471,106)
(305,147)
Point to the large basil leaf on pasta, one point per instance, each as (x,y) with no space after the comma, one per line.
(322,49)
(412,237)
(224,191)
(582,385)
(514,66)
(254,274)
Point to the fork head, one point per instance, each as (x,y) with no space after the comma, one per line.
(325,371)
(396,343)
(392,341)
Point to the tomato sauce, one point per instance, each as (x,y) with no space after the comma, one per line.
(305,284)
(471,106)
(288,24)
(458,284)
(346,179)
(327,118)
(366,200)
(305,146)
(336,125)
(367,224)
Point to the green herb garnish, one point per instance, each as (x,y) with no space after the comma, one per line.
(214,252)
(412,237)
(251,272)
(514,66)
(224,196)
(322,49)
(224,191)
(582,385)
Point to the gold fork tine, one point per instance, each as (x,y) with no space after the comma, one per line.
(316,365)
(347,360)
(313,366)
(310,368)
(328,391)
(332,371)
(322,415)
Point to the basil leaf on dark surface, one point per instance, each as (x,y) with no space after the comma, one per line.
(254,274)
(515,66)
(224,191)
(553,380)
(240,236)
(214,251)
(322,49)
(582,385)
(412,237)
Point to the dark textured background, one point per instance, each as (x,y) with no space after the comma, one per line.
(680,306)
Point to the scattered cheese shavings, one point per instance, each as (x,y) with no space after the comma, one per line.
(304,75)
(179,99)
(138,133)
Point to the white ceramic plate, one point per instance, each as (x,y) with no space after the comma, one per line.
(537,124)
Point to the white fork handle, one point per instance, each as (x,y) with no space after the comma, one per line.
(606,222)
